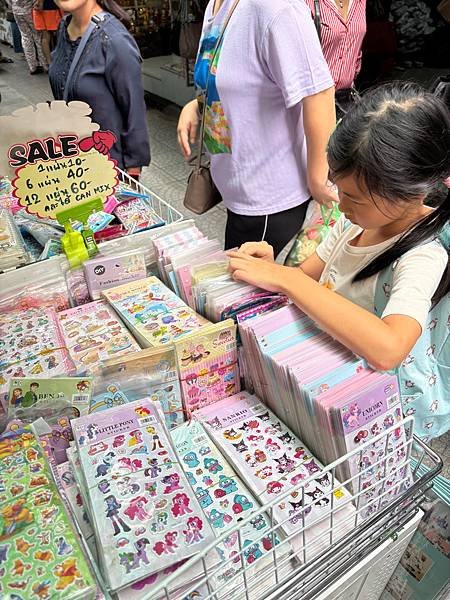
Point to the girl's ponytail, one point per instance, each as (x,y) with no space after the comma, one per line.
(396,143)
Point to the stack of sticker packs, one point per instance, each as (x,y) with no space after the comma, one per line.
(40,553)
(327,396)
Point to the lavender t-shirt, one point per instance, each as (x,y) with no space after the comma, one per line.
(269,60)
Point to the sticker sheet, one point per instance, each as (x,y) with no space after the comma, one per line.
(105,272)
(146,516)
(270,459)
(363,418)
(32,398)
(223,497)
(38,547)
(31,344)
(155,315)
(147,374)
(207,363)
(93,333)
(137,214)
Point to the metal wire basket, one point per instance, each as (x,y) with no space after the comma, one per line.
(167,212)
(304,573)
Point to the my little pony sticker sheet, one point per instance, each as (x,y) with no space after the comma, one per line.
(145,514)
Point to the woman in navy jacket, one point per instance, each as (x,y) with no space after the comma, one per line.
(107,76)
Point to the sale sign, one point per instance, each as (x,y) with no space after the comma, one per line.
(58,171)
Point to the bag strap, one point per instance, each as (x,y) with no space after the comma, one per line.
(95,21)
(317,19)
(205,100)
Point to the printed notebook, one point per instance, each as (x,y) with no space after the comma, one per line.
(105,272)
(144,512)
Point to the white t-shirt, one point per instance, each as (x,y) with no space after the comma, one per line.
(270,59)
(416,276)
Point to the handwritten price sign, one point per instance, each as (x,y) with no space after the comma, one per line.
(57,173)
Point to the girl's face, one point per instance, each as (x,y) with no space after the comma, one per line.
(70,6)
(366,210)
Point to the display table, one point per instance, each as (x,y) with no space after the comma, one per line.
(163,77)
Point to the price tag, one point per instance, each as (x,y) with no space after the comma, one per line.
(45,187)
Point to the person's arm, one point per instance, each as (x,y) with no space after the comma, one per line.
(123,76)
(319,120)
(383,342)
(187,127)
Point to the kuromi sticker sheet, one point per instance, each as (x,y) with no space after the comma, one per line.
(31,344)
(39,550)
(223,497)
(146,516)
(270,459)
(93,333)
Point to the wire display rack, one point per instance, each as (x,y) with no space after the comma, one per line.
(297,567)
(167,212)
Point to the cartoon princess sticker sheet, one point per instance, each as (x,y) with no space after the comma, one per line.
(155,315)
(223,497)
(271,458)
(31,345)
(93,333)
(145,515)
(207,362)
(38,547)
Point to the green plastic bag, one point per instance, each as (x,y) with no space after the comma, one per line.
(318,222)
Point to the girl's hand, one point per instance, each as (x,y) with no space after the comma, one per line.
(187,127)
(258,250)
(256,271)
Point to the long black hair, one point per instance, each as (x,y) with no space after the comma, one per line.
(114,8)
(396,141)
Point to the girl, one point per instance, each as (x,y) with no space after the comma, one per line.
(385,157)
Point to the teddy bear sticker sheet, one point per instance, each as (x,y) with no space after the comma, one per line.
(39,550)
(31,344)
(144,512)
(270,459)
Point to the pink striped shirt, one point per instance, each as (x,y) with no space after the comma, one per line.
(342,41)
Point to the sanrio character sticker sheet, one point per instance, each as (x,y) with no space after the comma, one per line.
(270,458)
(145,513)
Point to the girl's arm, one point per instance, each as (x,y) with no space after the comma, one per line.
(384,343)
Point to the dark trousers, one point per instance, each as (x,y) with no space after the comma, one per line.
(276,229)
